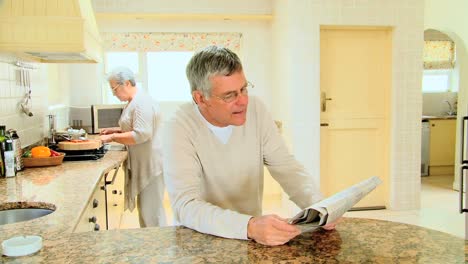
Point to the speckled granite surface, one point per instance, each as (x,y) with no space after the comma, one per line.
(68,187)
(354,241)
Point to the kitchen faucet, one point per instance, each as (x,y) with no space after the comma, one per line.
(451,111)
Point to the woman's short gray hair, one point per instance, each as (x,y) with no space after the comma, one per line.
(122,74)
(209,62)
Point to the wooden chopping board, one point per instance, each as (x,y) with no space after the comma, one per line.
(80,144)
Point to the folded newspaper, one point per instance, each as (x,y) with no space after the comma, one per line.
(330,209)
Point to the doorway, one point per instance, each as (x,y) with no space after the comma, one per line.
(355,83)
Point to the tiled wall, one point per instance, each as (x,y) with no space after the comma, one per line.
(30,129)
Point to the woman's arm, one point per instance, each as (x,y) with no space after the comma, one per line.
(125,138)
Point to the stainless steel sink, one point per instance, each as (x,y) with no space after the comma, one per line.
(24,214)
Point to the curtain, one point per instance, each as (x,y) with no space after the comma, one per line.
(439,54)
(153,41)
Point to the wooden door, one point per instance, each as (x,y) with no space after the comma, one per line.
(355,83)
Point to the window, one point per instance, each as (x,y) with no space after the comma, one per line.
(437,81)
(161,74)
(166,75)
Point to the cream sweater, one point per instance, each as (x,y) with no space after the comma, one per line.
(216,188)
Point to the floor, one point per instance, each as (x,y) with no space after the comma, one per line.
(439,209)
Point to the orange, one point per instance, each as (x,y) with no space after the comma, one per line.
(40,152)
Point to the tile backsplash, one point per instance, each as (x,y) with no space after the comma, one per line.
(12,93)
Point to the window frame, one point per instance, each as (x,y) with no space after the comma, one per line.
(439,72)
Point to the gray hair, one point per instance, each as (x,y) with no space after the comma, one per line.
(209,62)
(122,74)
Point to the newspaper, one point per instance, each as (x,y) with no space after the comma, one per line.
(330,209)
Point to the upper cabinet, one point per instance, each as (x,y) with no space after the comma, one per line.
(62,31)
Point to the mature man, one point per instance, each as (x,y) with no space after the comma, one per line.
(215,150)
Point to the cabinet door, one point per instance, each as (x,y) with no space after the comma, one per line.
(442,142)
(94,215)
(115,199)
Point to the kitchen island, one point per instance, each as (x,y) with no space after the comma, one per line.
(354,241)
(68,188)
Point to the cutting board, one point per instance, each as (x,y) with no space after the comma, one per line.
(80,145)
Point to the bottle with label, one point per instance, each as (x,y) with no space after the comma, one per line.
(17,149)
(2,149)
(10,169)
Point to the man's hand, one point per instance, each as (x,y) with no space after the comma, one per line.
(271,230)
(331,226)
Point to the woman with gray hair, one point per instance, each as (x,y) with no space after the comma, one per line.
(138,128)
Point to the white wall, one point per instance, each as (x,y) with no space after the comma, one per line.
(449,17)
(296,37)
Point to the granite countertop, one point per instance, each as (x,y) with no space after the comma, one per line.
(446,117)
(69,188)
(66,187)
(354,241)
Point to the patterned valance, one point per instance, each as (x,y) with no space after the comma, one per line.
(153,41)
(439,54)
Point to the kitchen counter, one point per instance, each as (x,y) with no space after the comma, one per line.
(438,117)
(354,241)
(66,187)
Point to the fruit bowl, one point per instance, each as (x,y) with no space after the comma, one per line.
(43,161)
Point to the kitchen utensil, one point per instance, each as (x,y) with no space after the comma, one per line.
(26,83)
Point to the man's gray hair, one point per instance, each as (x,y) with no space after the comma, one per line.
(209,62)
(122,74)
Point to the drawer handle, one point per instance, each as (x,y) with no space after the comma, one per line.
(95,203)
(93,219)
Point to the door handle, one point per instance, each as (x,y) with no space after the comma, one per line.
(323,124)
(324,99)
(462,208)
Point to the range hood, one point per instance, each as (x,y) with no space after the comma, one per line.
(61,31)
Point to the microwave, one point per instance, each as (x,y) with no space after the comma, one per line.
(105,115)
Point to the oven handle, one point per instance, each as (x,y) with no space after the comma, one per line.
(462,208)
(114,176)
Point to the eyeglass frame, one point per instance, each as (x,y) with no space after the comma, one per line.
(115,87)
(235,94)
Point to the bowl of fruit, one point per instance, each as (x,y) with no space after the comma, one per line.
(42,156)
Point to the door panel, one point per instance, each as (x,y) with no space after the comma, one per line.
(355,78)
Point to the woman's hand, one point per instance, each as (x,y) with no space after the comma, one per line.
(107,138)
(110,130)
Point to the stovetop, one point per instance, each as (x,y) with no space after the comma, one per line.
(74,155)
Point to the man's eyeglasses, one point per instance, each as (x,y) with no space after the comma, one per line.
(115,87)
(232,96)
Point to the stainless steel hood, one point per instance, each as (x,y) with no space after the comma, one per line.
(63,31)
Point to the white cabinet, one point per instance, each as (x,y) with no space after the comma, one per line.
(93,217)
(115,197)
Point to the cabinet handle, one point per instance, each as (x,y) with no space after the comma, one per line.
(93,219)
(95,203)
(433,125)
(114,192)
(96,227)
